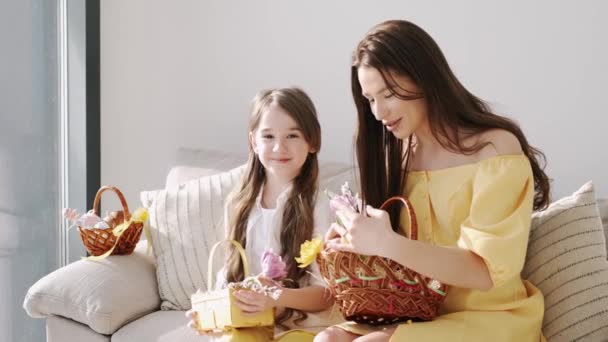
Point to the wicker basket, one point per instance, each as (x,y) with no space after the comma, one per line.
(98,241)
(376,290)
(216,309)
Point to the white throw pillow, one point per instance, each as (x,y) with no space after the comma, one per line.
(566,260)
(185,222)
(103,294)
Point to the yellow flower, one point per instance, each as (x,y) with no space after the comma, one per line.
(140,215)
(309,251)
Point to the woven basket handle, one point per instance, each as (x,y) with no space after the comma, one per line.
(210,261)
(410,211)
(413,230)
(122,199)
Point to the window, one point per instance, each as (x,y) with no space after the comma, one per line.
(45,163)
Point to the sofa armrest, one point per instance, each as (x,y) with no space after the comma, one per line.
(103,294)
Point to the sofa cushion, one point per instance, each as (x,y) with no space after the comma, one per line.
(181,174)
(170,326)
(160,326)
(60,329)
(102,294)
(567,261)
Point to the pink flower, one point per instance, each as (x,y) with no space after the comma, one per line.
(88,220)
(70,214)
(345,200)
(338,202)
(273,266)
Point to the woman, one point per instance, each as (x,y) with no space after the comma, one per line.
(472,178)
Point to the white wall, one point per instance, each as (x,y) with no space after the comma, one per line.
(182,73)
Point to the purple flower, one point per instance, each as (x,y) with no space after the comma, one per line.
(344,200)
(273,266)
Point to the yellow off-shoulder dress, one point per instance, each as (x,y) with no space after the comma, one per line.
(484,207)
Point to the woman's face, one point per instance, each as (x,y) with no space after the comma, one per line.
(400,117)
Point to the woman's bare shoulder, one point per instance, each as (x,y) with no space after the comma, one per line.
(501,142)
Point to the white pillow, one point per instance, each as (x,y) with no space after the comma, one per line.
(566,260)
(104,294)
(185,222)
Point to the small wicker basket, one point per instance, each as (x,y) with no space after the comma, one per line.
(376,290)
(216,309)
(98,241)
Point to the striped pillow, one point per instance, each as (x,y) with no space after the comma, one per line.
(602,204)
(567,261)
(185,221)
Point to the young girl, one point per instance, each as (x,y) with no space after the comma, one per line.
(472,178)
(277,207)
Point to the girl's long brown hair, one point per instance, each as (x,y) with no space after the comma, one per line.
(298,213)
(455,114)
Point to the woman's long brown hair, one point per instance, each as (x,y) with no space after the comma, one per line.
(298,213)
(454,114)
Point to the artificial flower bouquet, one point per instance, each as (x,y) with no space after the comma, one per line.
(376,290)
(216,309)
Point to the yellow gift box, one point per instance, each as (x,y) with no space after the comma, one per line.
(216,310)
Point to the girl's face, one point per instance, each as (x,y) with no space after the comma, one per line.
(401,117)
(279,143)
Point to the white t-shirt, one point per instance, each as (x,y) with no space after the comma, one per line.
(263,236)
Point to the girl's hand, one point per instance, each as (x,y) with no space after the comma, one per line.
(192,324)
(252,302)
(360,234)
(269,282)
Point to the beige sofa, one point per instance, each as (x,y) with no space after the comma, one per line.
(117,299)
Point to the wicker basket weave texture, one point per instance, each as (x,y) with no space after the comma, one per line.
(98,241)
(376,290)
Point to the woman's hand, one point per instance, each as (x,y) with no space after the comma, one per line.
(253,302)
(360,234)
